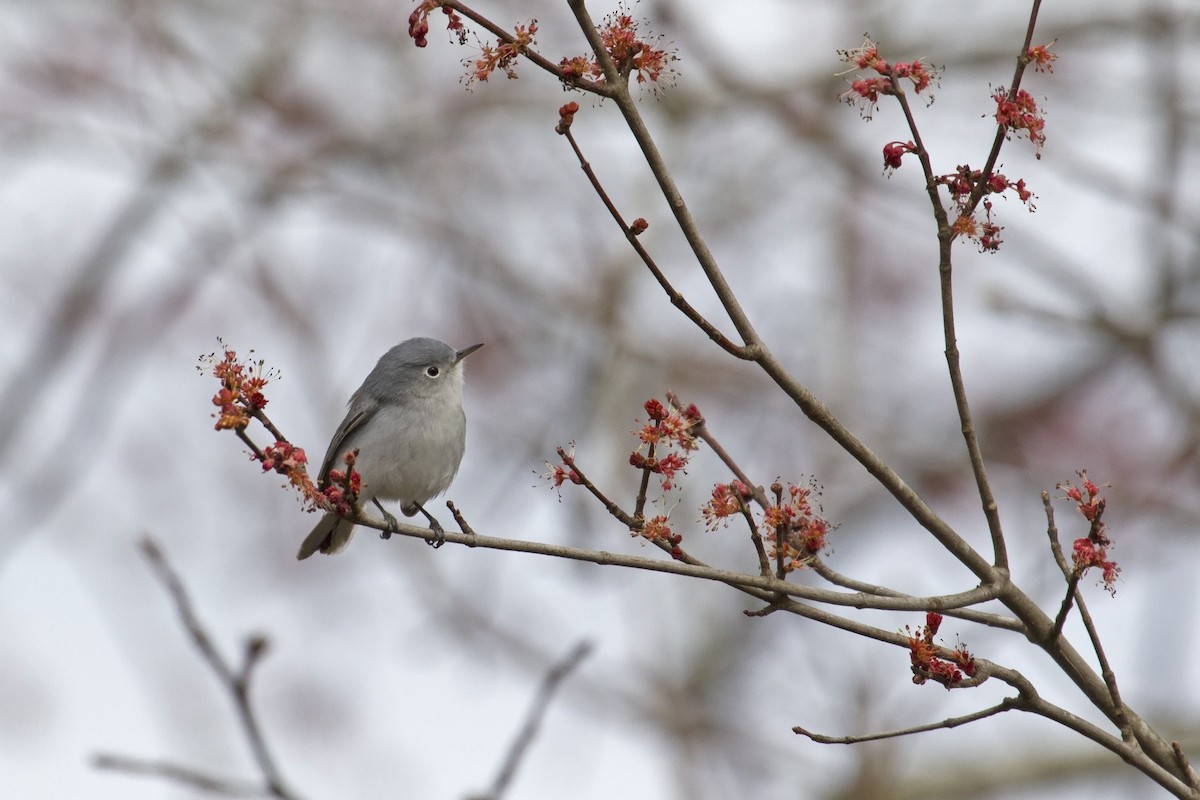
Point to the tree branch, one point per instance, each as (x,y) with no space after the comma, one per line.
(179,774)
(1008,704)
(673,295)
(745,580)
(236,683)
(658,167)
(533,720)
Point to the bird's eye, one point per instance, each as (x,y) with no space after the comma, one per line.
(432,372)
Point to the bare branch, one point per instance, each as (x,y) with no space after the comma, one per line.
(819,566)
(463,525)
(178,774)
(658,167)
(1008,704)
(1068,573)
(236,683)
(675,297)
(615,510)
(695,569)
(639,503)
(533,720)
(1185,766)
(1074,595)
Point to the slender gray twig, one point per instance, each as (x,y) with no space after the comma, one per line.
(533,720)
(1073,594)
(1007,704)
(235,681)
(179,774)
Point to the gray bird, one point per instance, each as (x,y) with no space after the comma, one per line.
(407,422)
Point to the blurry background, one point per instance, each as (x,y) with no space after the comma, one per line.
(297,178)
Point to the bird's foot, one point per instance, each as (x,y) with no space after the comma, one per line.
(392,525)
(438,537)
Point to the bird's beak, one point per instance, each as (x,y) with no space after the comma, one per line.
(466,351)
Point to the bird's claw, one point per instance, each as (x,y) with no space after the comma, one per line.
(392,525)
(439,535)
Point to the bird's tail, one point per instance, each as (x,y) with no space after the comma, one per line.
(330,535)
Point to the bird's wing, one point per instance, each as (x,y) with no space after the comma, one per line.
(362,408)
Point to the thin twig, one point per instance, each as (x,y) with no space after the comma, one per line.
(675,297)
(970,615)
(701,431)
(658,167)
(236,683)
(259,415)
(1185,766)
(615,510)
(945,270)
(1052,531)
(950,337)
(463,525)
(1074,595)
(781,532)
(1064,566)
(246,440)
(1007,704)
(639,504)
(533,720)
(178,774)
(1060,620)
(1120,713)
(764,563)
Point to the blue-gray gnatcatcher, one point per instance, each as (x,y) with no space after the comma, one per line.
(409,427)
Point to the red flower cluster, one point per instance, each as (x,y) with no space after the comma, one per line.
(632,54)
(558,474)
(418,23)
(656,530)
(241,393)
(1092,550)
(578,67)
(927,664)
(999,183)
(341,493)
(283,457)
(241,399)
(286,459)
(727,499)
(796,532)
(503,54)
(961,183)
(666,429)
(1020,113)
(893,152)
(986,233)
(1041,57)
(865,92)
